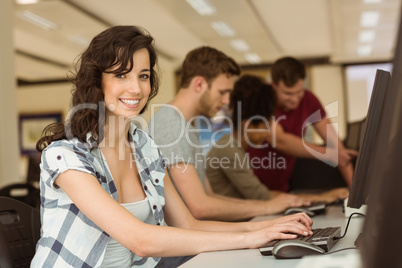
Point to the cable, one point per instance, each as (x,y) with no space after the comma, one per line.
(347,224)
(342,249)
(346,230)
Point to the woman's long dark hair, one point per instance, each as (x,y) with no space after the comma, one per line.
(113,47)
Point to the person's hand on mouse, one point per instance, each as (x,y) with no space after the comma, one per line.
(285,230)
(282,201)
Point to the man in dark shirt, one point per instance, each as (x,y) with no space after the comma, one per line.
(296,109)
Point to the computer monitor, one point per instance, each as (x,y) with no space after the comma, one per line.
(360,185)
(354,136)
(382,233)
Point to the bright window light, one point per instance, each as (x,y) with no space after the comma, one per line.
(252,58)
(366,36)
(223,29)
(239,45)
(369,18)
(203,7)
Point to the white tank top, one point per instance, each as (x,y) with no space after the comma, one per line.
(118,256)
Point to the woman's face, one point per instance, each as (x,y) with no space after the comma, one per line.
(127,94)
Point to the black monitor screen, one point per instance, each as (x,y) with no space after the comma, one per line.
(360,185)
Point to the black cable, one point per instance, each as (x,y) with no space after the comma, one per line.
(346,230)
(326,253)
(347,224)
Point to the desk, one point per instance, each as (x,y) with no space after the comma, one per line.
(252,257)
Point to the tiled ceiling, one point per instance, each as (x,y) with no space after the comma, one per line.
(271,28)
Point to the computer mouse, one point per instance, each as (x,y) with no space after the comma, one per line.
(295,210)
(295,249)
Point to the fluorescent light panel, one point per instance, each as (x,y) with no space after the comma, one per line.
(364,50)
(203,7)
(366,36)
(223,29)
(372,1)
(252,58)
(37,20)
(369,18)
(239,45)
(26,2)
(79,39)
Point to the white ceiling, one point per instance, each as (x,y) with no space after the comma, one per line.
(272,28)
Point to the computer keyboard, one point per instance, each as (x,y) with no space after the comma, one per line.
(321,237)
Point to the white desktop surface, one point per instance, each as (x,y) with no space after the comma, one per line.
(252,257)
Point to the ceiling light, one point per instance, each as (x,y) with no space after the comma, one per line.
(372,1)
(239,45)
(203,7)
(366,36)
(79,39)
(252,58)
(37,20)
(26,2)
(364,50)
(223,29)
(369,18)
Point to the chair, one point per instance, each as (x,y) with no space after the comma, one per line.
(19,232)
(33,173)
(24,192)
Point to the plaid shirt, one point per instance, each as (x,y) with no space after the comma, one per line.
(68,237)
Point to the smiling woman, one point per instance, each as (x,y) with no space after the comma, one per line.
(105,193)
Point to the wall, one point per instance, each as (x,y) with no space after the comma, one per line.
(8,99)
(327,83)
(359,85)
(44,98)
(357,110)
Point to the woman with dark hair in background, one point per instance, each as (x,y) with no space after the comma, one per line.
(105,195)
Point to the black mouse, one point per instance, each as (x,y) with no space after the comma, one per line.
(295,210)
(295,249)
